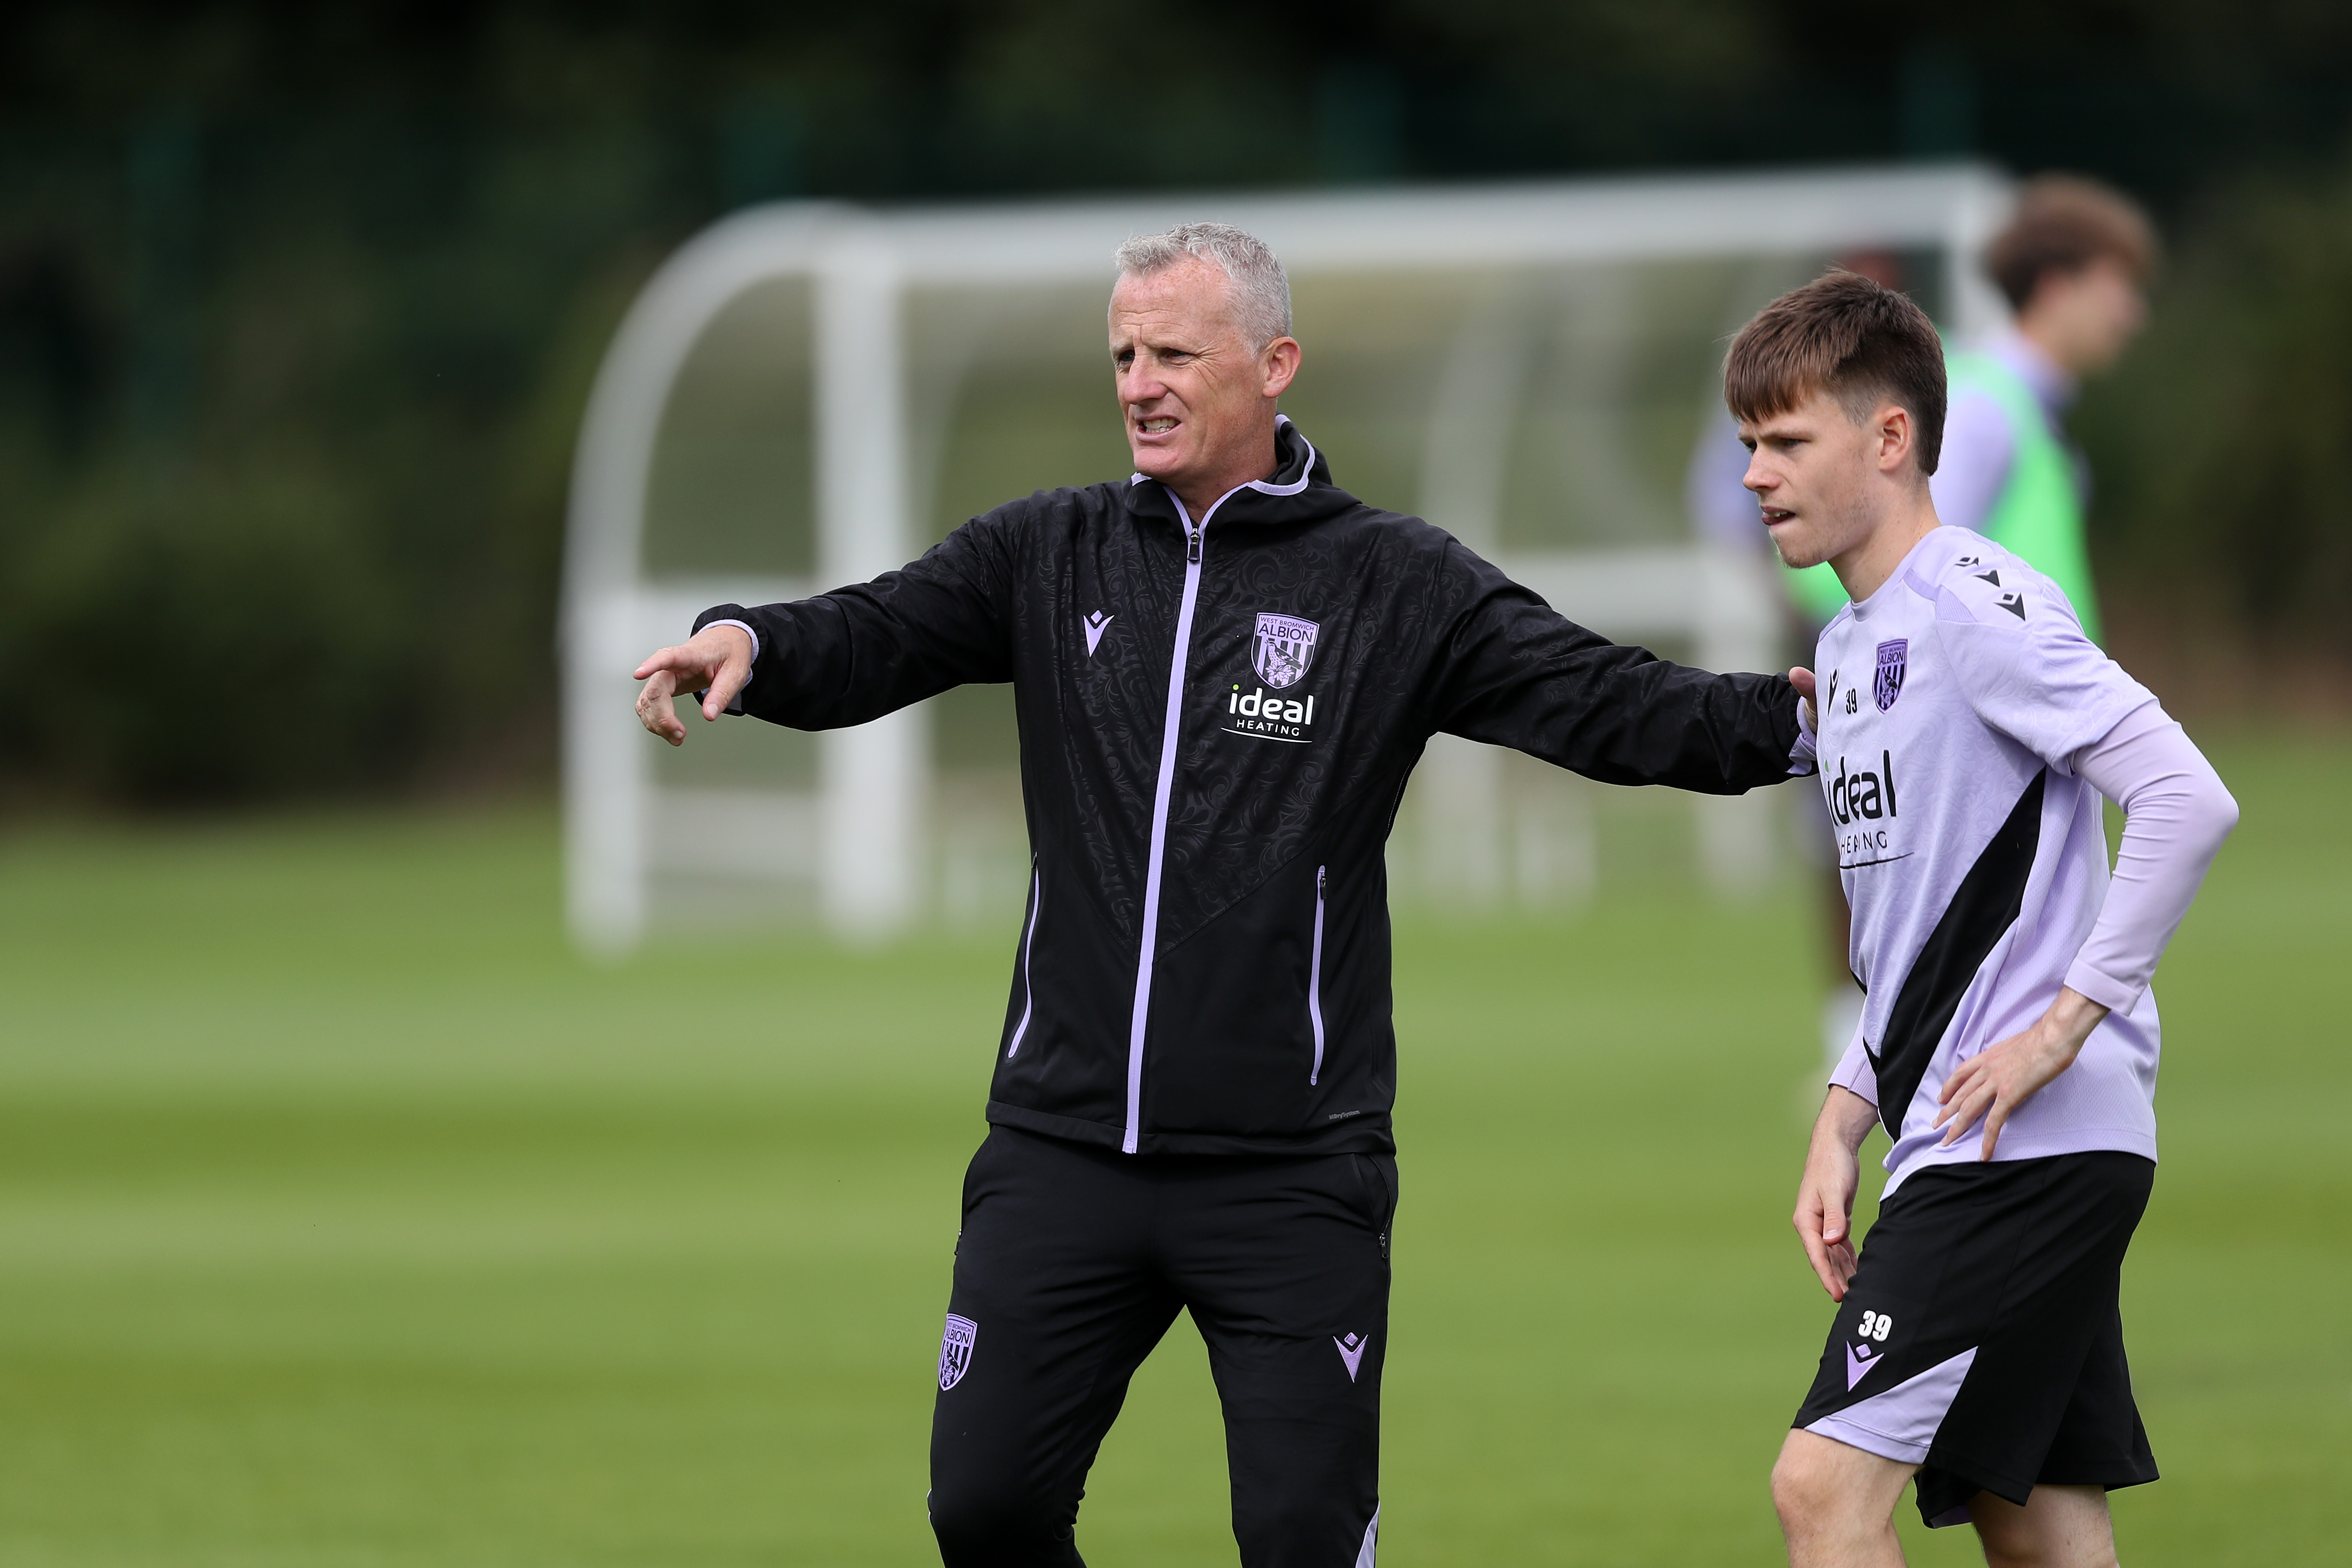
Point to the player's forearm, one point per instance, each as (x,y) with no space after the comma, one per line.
(1846,1121)
(2176,815)
(2072,1019)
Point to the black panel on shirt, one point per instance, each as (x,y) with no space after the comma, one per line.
(1986,906)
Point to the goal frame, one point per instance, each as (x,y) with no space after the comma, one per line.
(867,819)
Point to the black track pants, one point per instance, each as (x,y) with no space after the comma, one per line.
(1072,1263)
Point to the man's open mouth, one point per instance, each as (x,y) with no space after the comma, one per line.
(1158,424)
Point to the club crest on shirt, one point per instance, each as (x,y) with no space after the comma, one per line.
(1888,684)
(1284,649)
(955,1351)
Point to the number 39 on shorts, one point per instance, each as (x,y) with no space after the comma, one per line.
(1875,1326)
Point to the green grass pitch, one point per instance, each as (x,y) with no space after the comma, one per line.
(347,1219)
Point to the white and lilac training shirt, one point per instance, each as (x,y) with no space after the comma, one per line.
(1955,703)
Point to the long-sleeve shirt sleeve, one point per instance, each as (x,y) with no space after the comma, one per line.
(2177,812)
(1514,672)
(1854,1071)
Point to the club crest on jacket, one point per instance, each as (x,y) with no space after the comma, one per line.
(1284,649)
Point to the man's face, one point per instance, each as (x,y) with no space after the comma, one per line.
(1196,395)
(2086,318)
(1822,475)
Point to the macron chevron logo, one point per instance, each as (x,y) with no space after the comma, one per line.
(1351,1350)
(1858,1363)
(1094,625)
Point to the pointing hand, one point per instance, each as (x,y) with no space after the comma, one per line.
(715,661)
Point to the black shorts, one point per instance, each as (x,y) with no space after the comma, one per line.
(1074,1259)
(1981,1338)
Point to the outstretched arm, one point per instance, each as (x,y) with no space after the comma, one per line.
(2177,812)
(1513,672)
(856,654)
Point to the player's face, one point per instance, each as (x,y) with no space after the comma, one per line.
(1196,396)
(1820,474)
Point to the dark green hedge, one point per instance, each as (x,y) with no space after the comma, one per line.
(299,305)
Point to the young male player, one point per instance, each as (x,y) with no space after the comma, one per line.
(1967,730)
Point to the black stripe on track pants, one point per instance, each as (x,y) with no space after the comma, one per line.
(1074,1260)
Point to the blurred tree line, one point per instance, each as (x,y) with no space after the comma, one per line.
(299,305)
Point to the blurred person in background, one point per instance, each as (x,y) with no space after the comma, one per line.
(1226,669)
(2074,263)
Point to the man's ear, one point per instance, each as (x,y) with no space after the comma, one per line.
(1894,429)
(1280,359)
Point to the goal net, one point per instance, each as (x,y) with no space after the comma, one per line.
(810,394)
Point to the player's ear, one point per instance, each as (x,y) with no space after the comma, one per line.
(1894,433)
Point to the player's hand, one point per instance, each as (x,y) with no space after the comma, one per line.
(1807,689)
(1996,1081)
(1824,1216)
(717,657)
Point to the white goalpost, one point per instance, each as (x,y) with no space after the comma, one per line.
(798,394)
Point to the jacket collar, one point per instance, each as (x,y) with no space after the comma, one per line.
(1299,490)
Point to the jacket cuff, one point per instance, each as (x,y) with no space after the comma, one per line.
(731,615)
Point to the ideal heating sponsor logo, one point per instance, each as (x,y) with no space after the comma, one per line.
(1267,715)
(1865,807)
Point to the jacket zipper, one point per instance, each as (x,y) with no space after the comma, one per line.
(1028,945)
(1315,982)
(1192,532)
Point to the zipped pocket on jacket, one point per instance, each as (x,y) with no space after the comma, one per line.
(1315,982)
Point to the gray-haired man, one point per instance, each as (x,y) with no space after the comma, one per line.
(1225,668)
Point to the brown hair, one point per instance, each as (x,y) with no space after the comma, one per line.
(1845,335)
(2064,223)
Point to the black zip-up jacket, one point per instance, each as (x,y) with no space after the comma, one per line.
(1217,720)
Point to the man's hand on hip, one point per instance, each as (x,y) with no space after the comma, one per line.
(1996,1081)
(1824,1216)
(715,661)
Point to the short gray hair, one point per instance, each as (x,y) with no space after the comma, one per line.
(1261,289)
